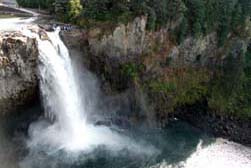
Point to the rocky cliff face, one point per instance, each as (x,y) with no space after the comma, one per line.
(132,57)
(126,41)
(18,66)
(152,78)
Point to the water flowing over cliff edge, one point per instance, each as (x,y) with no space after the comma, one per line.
(65,137)
(62,102)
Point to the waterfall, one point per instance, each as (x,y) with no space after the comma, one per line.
(58,85)
(62,103)
(60,95)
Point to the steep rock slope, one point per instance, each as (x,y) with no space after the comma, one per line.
(18,69)
(149,77)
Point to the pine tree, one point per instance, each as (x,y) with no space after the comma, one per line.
(246,5)
(151,20)
(61,9)
(237,18)
(176,9)
(183,30)
(197,12)
(211,15)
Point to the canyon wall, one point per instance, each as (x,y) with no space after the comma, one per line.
(18,71)
(149,78)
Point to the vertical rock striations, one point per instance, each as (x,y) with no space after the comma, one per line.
(153,78)
(18,66)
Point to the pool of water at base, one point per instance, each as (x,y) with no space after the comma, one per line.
(171,147)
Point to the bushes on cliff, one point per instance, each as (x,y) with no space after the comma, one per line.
(247,82)
(230,91)
(225,88)
(193,17)
(181,87)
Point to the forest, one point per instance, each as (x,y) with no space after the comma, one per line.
(196,17)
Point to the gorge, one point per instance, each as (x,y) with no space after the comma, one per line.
(56,113)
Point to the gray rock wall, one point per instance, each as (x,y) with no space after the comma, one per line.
(18,68)
(117,57)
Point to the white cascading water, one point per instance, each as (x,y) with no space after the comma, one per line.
(220,154)
(62,102)
(58,87)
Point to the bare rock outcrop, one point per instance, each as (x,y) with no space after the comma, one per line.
(18,71)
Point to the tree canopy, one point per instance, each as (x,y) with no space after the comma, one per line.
(195,17)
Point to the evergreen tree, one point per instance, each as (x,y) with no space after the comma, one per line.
(176,9)
(246,5)
(212,13)
(225,17)
(151,20)
(161,9)
(237,18)
(196,14)
(183,31)
(191,17)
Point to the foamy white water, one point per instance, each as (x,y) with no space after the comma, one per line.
(70,131)
(59,89)
(220,154)
(14,24)
(17,23)
(62,103)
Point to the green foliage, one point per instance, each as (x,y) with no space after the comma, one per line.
(227,91)
(248,57)
(212,12)
(152,17)
(176,9)
(131,70)
(230,91)
(165,87)
(196,15)
(161,9)
(237,17)
(105,10)
(227,7)
(246,7)
(185,87)
(192,86)
(247,83)
(183,30)
(192,17)
(74,9)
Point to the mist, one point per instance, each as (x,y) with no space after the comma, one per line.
(71,103)
(8,157)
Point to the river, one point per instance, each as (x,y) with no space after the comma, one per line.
(62,137)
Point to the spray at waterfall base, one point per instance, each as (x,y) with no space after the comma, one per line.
(61,98)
